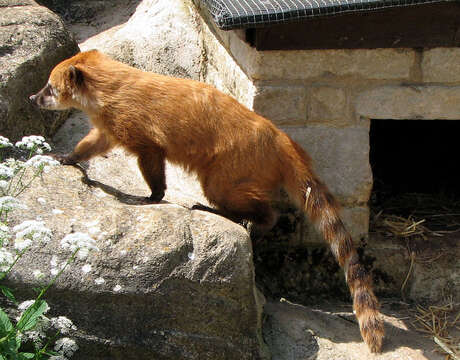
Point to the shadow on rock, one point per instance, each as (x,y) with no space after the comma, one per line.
(119,195)
(294,331)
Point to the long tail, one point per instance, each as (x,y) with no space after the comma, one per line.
(323,211)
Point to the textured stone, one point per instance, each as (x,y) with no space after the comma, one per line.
(161,36)
(328,105)
(281,104)
(32,41)
(313,64)
(220,68)
(410,102)
(180,281)
(341,159)
(441,65)
(295,332)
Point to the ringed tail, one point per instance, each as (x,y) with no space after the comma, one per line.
(311,195)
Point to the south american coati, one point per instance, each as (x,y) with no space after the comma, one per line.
(241,159)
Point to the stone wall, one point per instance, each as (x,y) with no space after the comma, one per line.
(324,99)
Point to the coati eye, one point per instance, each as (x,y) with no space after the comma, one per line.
(49,90)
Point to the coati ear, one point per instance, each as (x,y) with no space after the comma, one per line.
(76,75)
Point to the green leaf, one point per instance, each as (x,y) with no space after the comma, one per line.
(7,292)
(12,347)
(30,317)
(5,324)
(24,356)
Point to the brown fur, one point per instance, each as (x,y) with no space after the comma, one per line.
(242,160)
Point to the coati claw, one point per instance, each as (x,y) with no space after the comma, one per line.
(63,159)
(156,197)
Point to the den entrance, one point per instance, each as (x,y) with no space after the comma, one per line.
(415,164)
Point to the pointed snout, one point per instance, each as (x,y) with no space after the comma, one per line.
(33,98)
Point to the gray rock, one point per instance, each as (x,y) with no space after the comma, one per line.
(161,36)
(33,40)
(295,332)
(178,284)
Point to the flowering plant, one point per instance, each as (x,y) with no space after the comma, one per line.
(32,326)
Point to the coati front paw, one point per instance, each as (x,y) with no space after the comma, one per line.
(156,196)
(63,159)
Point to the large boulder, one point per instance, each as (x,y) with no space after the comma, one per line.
(32,41)
(167,282)
(162,36)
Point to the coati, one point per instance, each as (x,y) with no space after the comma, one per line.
(241,159)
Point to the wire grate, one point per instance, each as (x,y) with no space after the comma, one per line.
(235,14)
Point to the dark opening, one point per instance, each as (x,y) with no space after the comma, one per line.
(415,164)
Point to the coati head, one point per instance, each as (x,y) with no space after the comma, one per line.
(66,87)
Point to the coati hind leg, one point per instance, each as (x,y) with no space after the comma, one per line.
(152,166)
(245,201)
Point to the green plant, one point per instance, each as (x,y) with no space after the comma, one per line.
(31,335)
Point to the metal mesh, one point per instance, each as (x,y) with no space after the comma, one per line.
(234,14)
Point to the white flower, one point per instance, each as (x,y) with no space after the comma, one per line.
(99,281)
(27,304)
(6,171)
(63,324)
(41,201)
(38,274)
(44,162)
(4,234)
(4,186)
(33,142)
(31,230)
(4,142)
(55,268)
(8,203)
(54,261)
(80,241)
(66,346)
(22,244)
(6,259)
(57,357)
(117,288)
(94,230)
(86,268)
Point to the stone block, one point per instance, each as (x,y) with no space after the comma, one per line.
(311,64)
(441,65)
(410,102)
(221,70)
(328,105)
(341,159)
(281,104)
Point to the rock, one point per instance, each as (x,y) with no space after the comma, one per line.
(340,158)
(161,36)
(178,284)
(409,102)
(295,332)
(88,18)
(33,40)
